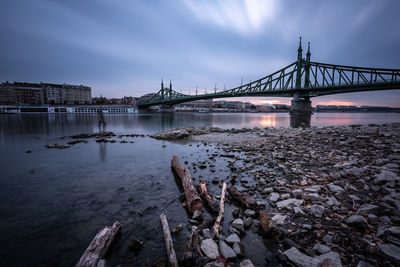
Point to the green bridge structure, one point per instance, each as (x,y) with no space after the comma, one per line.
(300,80)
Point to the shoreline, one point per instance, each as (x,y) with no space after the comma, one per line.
(326,189)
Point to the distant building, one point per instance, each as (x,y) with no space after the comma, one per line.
(208,103)
(7,95)
(265,108)
(45,93)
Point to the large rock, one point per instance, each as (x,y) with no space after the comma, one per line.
(278,219)
(214,264)
(210,248)
(232,239)
(336,189)
(390,252)
(385,176)
(356,221)
(273,197)
(313,197)
(321,249)
(300,259)
(297,193)
(226,251)
(369,208)
(317,210)
(246,263)
(238,224)
(289,203)
(331,259)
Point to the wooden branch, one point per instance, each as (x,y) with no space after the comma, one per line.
(221,210)
(99,246)
(169,245)
(193,200)
(211,202)
(265,222)
(243,198)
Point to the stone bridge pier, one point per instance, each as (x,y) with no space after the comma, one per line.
(166,108)
(301,105)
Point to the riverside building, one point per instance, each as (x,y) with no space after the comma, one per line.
(22,93)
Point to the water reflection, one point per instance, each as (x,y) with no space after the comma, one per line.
(300,120)
(102,151)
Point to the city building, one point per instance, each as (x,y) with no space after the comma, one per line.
(23,93)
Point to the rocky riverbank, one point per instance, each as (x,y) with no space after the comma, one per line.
(332,194)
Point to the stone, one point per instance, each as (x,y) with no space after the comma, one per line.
(289,203)
(278,219)
(197,215)
(226,251)
(214,264)
(210,248)
(239,249)
(327,239)
(238,224)
(247,222)
(331,259)
(246,263)
(267,190)
(232,238)
(103,263)
(332,201)
(356,221)
(364,264)
(207,233)
(297,193)
(313,197)
(249,213)
(235,212)
(321,249)
(369,208)
(159,262)
(391,252)
(273,197)
(298,211)
(317,210)
(385,176)
(300,259)
(373,219)
(334,188)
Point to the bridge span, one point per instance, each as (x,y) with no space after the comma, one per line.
(300,80)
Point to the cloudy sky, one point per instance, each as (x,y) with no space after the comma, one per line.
(122,48)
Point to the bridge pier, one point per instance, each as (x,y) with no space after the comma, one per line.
(300,105)
(166,108)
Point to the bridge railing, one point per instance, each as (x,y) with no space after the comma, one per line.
(329,75)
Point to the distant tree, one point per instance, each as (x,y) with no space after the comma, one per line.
(76,102)
(52,102)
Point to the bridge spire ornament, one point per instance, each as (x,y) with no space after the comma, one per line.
(308,53)
(299,51)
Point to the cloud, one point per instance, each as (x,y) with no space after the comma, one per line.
(243,16)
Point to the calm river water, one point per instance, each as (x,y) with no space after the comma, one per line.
(52,202)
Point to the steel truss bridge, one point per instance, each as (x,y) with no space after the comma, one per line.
(302,79)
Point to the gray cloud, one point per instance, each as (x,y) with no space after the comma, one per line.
(126,47)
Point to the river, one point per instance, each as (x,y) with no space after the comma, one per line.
(52,202)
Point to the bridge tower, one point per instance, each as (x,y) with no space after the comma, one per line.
(302,104)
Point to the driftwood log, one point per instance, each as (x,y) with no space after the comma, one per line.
(193,200)
(169,245)
(221,211)
(211,202)
(243,198)
(99,246)
(195,237)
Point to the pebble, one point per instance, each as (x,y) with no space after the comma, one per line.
(210,248)
(317,210)
(226,251)
(246,263)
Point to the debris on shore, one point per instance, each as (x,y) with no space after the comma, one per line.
(330,195)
